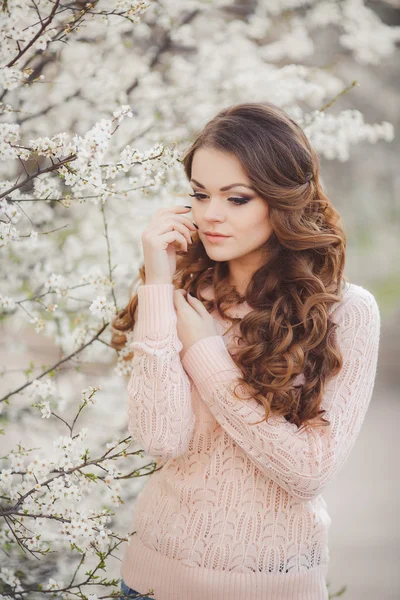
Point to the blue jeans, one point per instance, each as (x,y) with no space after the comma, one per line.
(127,591)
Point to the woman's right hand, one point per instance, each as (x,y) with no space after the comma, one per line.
(168,231)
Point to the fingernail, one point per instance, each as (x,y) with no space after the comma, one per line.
(195,225)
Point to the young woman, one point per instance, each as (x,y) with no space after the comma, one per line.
(254,362)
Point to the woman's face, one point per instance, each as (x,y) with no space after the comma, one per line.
(238,213)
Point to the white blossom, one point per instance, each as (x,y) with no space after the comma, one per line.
(8,234)
(57,283)
(17,463)
(6,478)
(11,78)
(8,576)
(39,324)
(124,111)
(45,410)
(88,395)
(42,387)
(7,303)
(55,584)
(101,308)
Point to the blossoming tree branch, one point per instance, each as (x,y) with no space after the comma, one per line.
(97,101)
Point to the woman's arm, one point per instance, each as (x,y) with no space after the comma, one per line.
(300,462)
(160,413)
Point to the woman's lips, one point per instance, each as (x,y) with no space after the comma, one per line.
(216,238)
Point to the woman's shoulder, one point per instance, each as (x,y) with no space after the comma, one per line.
(356,291)
(356,298)
(353,295)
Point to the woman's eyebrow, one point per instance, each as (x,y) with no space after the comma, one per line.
(226,187)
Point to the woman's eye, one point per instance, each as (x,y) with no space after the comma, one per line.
(235,201)
(197,195)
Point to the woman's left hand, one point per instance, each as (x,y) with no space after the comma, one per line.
(194,321)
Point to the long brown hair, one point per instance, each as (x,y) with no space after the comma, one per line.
(289,330)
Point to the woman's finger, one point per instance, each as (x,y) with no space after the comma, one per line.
(195,300)
(197,304)
(179,295)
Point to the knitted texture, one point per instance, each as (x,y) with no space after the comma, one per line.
(236,509)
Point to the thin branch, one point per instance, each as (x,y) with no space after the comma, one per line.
(62,473)
(56,365)
(54,167)
(45,23)
(108,253)
(344,91)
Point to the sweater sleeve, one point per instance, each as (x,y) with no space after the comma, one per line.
(300,462)
(160,412)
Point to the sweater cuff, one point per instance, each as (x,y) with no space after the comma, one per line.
(156,310)
(208,357)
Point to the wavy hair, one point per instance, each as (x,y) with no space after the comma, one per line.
(289,330)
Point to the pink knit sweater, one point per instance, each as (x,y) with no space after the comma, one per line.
(236,511)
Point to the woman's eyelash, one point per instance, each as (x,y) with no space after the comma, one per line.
(235,201)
